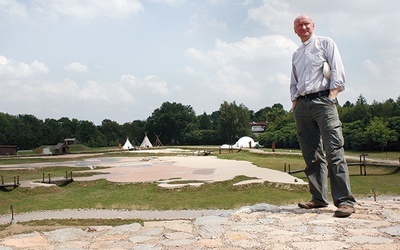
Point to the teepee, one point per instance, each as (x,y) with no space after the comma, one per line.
(127,145)
(146,142)
(158,143)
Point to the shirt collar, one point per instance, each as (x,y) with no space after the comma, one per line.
(309,40)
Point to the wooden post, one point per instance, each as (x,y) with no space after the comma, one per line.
(365,166)
(284,168)
(363,163)
(2,180)
(12,214)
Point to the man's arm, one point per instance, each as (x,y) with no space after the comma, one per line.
(337,80)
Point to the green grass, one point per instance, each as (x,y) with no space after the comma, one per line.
(272,161)
(385,180)
(101,194)
(81,222)
(37,173)
(26,227)
(393,156)
(30,160)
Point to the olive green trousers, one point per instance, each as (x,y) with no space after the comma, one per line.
(319,131)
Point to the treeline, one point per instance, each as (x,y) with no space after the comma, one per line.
(366,126)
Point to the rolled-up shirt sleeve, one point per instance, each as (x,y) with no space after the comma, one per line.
(337,79)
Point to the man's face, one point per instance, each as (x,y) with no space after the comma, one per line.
(304,27)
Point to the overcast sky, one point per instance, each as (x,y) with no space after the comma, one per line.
(120,60)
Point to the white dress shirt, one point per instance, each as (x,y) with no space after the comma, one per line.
(307,67)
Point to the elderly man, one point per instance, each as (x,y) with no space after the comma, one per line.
(317,78)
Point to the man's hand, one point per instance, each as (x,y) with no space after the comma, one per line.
(333,93)
(294,103)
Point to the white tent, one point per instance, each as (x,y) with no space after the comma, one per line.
(146,143)
(245,142)
(127,145)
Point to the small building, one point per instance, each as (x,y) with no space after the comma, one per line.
(61,149)
(70,141)
(8,149)
(258,127)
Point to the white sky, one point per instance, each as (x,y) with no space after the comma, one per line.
(121,59)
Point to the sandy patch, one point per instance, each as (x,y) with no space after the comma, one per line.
(194,170)
(184,168)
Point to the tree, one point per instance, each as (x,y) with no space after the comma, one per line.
(53,132)
(202,137)
(68,127)
(112,132)
(204,121)
(6,123)
(215,119)
(394,124)
(134,130)
(281,132)
(172,121)
(346,112)
(359,111)
(389,108)
(86,131)
(29,133)
(379,133)
(354,136)
(270,114)
(234,122)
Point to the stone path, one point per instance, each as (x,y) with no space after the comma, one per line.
(375,225)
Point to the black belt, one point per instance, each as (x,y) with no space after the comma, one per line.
(323,93)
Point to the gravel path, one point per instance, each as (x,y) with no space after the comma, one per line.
(125,214)
(110,214)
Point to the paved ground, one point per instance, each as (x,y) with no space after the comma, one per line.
(375,225)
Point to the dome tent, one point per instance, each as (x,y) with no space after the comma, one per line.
(245,142)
